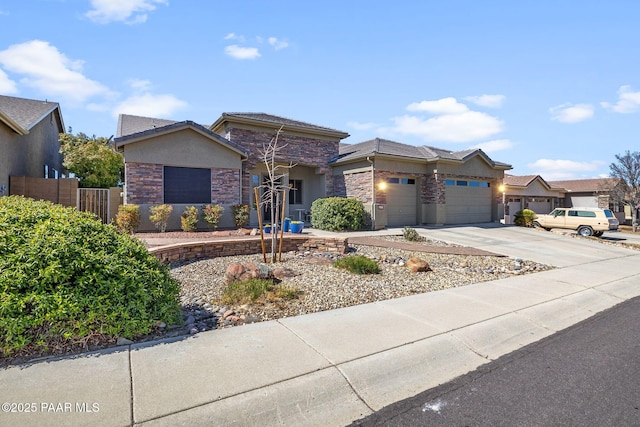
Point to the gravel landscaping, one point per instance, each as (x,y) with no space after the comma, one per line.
(322,287)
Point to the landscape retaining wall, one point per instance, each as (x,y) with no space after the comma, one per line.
(249,246)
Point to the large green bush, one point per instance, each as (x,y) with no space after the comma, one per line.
(524,218)
(337,214)
(66,279)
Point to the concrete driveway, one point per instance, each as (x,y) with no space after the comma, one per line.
(558,249)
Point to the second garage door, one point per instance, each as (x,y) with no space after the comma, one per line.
(468,201)
(401,202)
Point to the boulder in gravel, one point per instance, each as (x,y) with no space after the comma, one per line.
(282,272)
(418,265)
(240,272)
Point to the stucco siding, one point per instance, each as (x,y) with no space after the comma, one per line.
(185,148)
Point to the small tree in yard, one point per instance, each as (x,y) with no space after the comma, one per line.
(95,164)
(627,169)
(273,187)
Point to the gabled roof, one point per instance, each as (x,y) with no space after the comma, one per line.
(525,181)
(587,185)
(129,125)
(385,147)
(21,114)
(277,121)
(146,127)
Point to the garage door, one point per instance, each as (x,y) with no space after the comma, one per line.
(468,201)
(401,202)
(540,205)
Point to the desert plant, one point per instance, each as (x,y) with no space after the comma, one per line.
(67,280)
(160,216)
(212,214)
(524,218)
(240,215)
(337,214)
(189,218)
(128,218)
(358,264)
(411,234)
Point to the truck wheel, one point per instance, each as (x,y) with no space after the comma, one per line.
(585,231)
(598,233)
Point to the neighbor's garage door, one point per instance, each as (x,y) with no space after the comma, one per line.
(468,201)
(401,202)
(540,205)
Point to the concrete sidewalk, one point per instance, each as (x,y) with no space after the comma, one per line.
(333,367)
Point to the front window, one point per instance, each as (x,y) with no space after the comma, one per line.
(187,185)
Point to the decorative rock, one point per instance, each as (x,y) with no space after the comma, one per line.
(418,265)
(234,272)
(190,319)
(123,341)
(282,272)
(228,313)
(253,232)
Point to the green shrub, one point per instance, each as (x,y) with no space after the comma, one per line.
(128,218)
(67,279)
(337,214)
(411,234)
(189,219)
(524,218)
(212,214)
(160,216)
(240,215)
(358,264)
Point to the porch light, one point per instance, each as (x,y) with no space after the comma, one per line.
(382,185)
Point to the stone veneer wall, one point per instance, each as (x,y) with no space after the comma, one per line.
(358,185)
(306,151)
(144,183)
(432,190)
(225,186)
(249,246)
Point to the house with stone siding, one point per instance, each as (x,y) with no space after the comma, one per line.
(403,184)
(183,163)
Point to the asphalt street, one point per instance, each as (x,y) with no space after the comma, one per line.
(586,375)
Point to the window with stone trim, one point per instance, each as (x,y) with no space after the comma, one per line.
(187,185)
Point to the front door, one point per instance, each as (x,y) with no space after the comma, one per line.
(266,207)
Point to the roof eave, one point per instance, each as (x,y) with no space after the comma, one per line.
(12,124)
(228,118)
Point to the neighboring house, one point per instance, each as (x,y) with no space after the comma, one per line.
(403,185)
(399,184)
(529,192)
(29,133)
(596,193)
(533,192)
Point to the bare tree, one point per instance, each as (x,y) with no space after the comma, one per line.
(274,190)
(627,169)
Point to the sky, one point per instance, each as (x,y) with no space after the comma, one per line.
(549,87)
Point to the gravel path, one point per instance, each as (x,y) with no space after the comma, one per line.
(324,287)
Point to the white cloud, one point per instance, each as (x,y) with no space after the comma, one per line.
(495,145)
(362,126)
(234,36)
(441,106)
(569,113)
(7,86)
(45,68)
(464,127)
(127,11)
(553,170)
(139,84)
(239,52)
(490,101)
(628,101)
(277,43)
(150,105)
